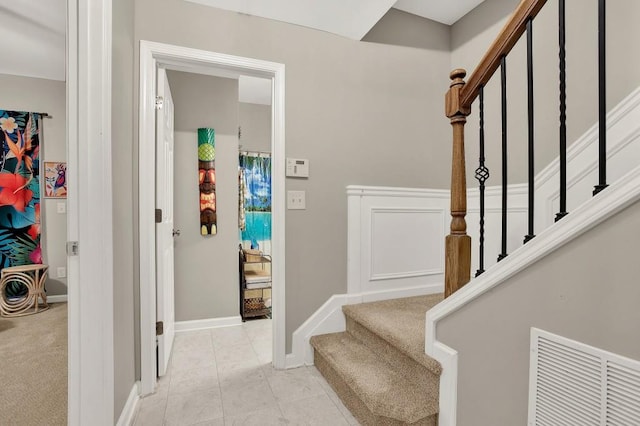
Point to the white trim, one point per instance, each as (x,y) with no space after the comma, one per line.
(364,202)
(389,191)
(90,280)
(590,137)
(194,60)
(204,324)
(57,298)
(128,414)
(330,319)
(620,195)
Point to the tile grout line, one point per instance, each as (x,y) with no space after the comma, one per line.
(215,359)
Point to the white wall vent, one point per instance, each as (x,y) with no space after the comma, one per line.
(573,384)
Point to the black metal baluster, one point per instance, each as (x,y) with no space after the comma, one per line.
(602,99)
(503,84)
(563,112)
(482,174)
(531,233)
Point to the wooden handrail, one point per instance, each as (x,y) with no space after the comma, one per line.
(502,45)
(458,102)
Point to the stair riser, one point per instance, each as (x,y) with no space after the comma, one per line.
(412,370)
(354,404)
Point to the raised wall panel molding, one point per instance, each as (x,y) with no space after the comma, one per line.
(410,256)
(405,243)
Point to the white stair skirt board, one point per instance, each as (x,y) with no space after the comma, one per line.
(616,198)
(128,414)
(330,319)
(203,324)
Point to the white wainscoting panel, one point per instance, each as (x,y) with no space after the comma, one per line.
(396,238)
(405,243)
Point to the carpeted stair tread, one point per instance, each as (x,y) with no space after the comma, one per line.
(400,322)
(379,385)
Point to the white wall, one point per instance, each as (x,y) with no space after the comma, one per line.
(206,267)
(40,95)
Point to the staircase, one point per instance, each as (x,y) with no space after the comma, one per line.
(378,366)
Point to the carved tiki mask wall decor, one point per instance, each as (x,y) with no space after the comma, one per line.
(207,179)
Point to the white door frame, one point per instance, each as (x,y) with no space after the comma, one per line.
(153,54)
(89,214)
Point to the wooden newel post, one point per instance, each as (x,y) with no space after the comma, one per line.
(458,243)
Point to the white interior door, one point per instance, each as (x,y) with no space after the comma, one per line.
(164,228)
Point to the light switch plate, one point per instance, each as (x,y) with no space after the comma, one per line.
(296,200)
(61,207)
(61,272)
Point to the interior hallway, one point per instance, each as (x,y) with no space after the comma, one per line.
(223,376)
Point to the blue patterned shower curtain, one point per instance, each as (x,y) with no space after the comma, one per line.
(255,198)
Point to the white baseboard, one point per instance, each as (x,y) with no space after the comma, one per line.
(128,414)
(330,319)
(203,324)
(58,298)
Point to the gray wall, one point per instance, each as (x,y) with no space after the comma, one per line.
(41,95)
(206,267)
(580,291)
(405,29)
(125,281)
(362,113)
(255,121)
(471,37)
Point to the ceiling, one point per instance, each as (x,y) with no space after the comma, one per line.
(34,33)
(35,29)
(348,18)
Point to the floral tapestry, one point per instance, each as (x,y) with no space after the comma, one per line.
(19,193)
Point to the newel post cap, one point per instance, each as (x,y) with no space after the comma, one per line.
(453,107)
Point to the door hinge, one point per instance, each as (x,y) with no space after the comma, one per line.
(159,328)
(72,248)
(158,215)
(159,102)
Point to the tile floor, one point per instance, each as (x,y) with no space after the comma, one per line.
(223,377)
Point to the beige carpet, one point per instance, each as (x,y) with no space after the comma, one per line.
(33,368)
(378,366)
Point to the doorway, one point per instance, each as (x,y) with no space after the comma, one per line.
(152,56)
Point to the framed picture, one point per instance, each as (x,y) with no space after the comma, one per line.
(55,178)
